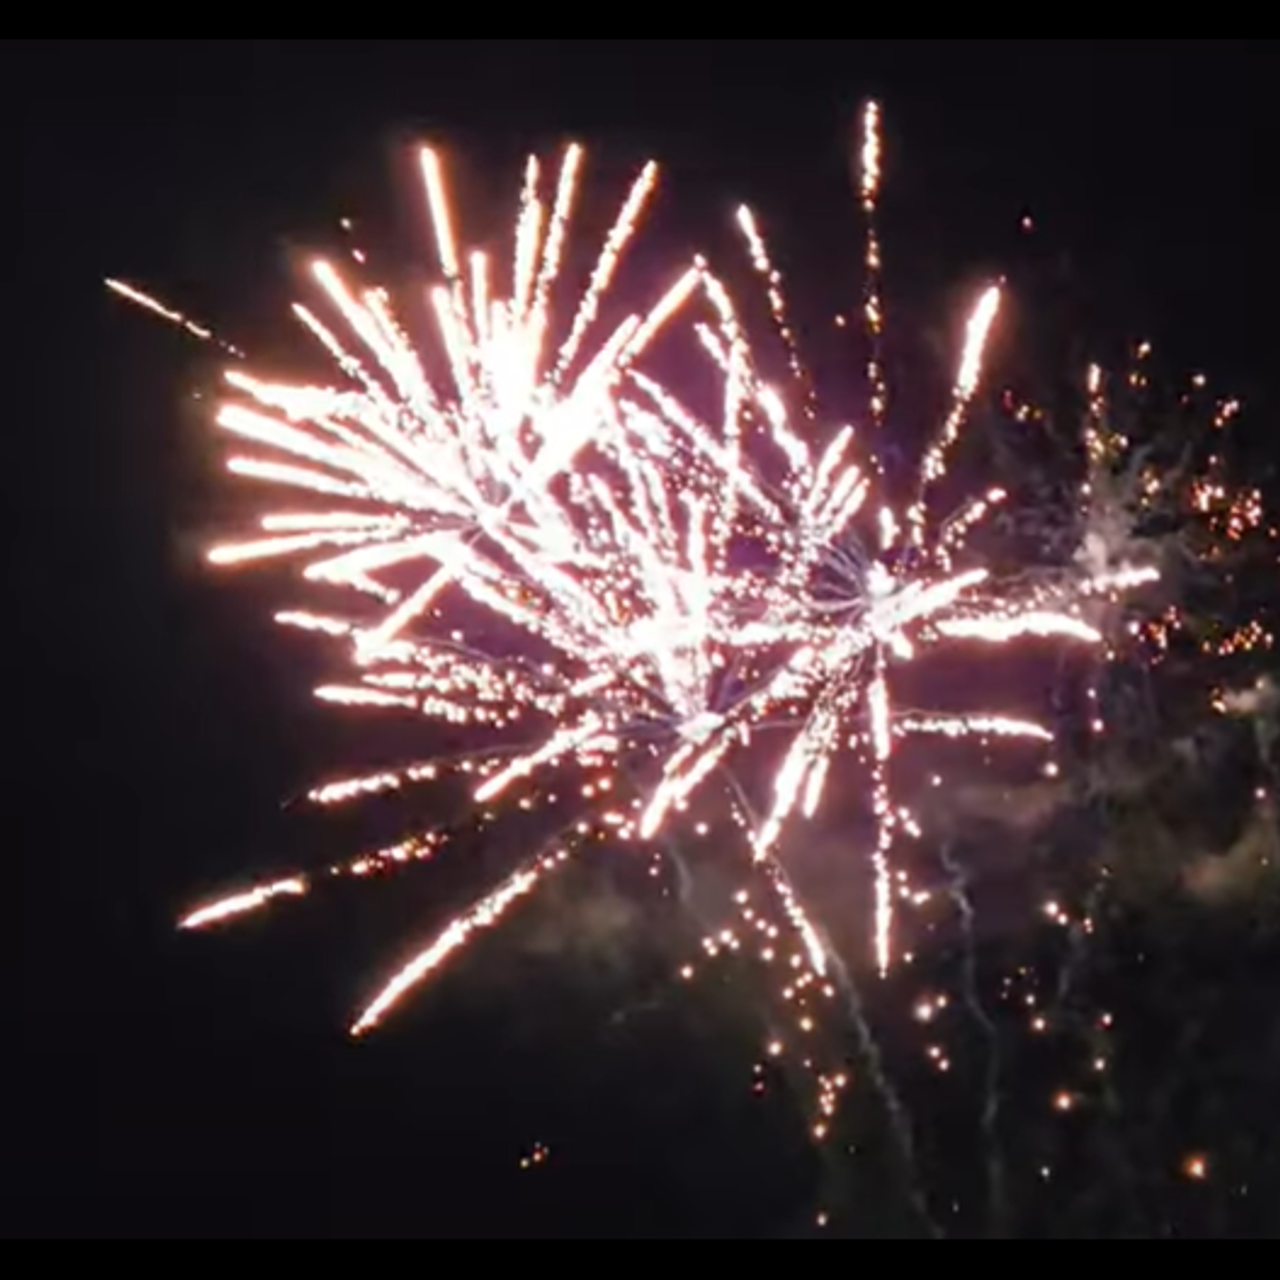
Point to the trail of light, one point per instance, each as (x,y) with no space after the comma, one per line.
(485,915)
(441,216)
(144,300)
(777,304)
(1118,583)
(934,467)
(332,627)
(337,793)
(973,727)
(623,230)
(273,548)
(416,851)
(882,746)
(243,904)
(1003,630)
(872,163)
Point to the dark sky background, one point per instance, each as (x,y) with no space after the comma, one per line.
(176,1087)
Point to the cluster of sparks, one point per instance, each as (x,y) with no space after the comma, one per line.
(539,541)
(1220,523)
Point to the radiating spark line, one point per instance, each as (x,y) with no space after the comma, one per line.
(157,308)
(622,232)
(1003,630)
(441,216)
(871,178)
(408,853)
(966,387)
(485,915)
(778,306)
(243,904)
(973,727)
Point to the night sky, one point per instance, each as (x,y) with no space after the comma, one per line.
(170,1086)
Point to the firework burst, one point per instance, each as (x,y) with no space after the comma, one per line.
(855,588)
(537,539)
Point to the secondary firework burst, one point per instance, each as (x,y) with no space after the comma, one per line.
(1171,495)
(857,587)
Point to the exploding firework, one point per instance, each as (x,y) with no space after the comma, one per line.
(537,539)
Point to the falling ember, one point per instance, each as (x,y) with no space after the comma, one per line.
(1196,1169)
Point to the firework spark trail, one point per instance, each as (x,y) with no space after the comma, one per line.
(485,915)
(243,904)
(144,300)
(765,268)
(871,175)
(364,867)
(1096,462)
(995,630)
(967,383)
(997,1172)
(956,727)
(882,746)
